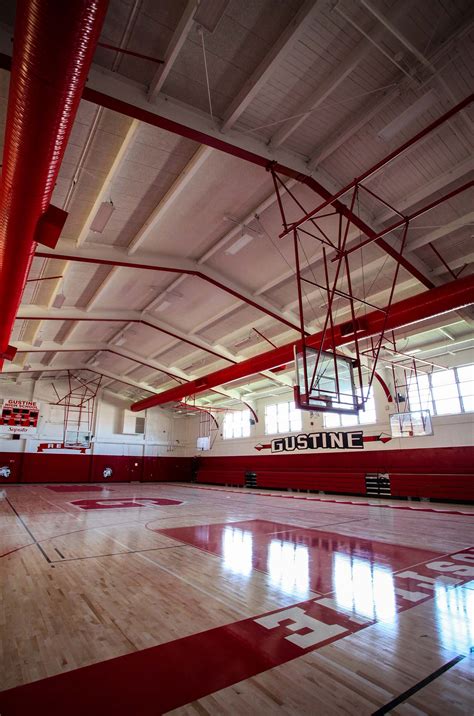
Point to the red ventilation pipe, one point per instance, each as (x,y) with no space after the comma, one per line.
(449,297)
(53,47)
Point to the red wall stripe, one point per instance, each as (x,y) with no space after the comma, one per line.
(46,467)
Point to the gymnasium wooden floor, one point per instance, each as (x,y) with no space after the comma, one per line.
(155,598)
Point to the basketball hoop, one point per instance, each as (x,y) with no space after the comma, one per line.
(411,424)
(325,382)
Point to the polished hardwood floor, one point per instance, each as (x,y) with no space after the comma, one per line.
(202,600)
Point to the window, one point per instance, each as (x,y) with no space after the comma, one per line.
(237,425)
(364,417)
(419,393)
(466,387)
(282,418)
(443,392)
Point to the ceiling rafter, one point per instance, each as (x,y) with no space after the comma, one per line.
(386,21)
(117,257)
(101,347)
(126,96)
(177,41)
(332,81)
(270,63)
(349,127)
(459,223)
(29,312)
(189,172)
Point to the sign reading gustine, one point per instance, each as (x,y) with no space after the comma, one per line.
(19,416)
(326,441)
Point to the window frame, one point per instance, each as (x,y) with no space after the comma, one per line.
(291,429)
(356,422)
(432,399)
(244,434)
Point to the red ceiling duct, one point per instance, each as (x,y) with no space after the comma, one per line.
(449,297)
(53,47)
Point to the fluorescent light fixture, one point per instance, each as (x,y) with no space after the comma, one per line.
(234,248)
(163,306)
(419,107)
(120,341)
(59,300)
(172,292)
(413,350)
(38,343)
(244,342)
(100,220)
(193,365)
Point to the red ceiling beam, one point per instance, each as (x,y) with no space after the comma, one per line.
(222,145)
(189,272)
(178,378)
(449,297)
(33,317)
(415,215)
(151,118)
(89,370)
(52,53)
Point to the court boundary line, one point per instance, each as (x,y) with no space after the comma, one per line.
(69,675)
(418,686)
(35,541)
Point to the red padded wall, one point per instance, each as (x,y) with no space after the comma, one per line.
(328,482)
(418,460)
(222,477)
(60,467)
(125,468)
(443,487)
(167,469)
(38,467)
(13,460)
(444,473)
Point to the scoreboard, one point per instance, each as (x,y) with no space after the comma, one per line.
(19,416)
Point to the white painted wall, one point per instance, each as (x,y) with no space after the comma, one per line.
(167,434)
(108,424)
(449,431)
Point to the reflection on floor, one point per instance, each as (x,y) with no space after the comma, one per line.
(300,561)
(161,598)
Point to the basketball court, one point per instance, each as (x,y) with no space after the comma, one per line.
(202,600)
(236,358)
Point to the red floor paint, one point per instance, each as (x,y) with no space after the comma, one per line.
(123,503)
(170,675)
(301,559)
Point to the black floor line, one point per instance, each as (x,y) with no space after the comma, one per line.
(117,554)
(29,531)
(417,687)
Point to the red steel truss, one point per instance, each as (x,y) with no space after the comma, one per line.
(449,297)
(325,369)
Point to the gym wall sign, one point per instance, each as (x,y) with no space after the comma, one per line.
(19,417)
(326,441)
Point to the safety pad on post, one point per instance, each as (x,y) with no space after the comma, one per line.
(49,226)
